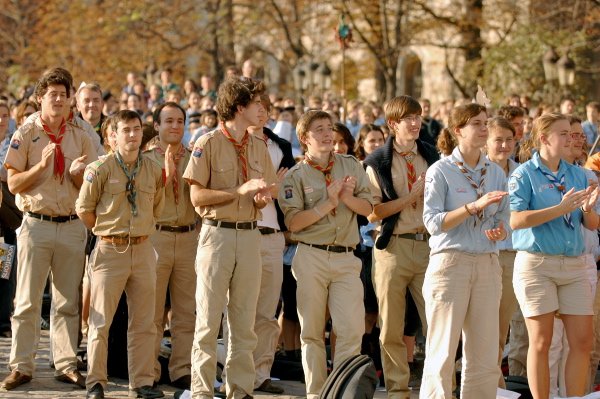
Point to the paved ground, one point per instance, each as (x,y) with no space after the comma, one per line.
(44,386)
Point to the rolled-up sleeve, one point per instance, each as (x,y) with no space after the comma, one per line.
(519,189)
(291,199)
(434,210)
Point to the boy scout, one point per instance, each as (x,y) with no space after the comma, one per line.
(320,198)
(45,164)
(230,174)
(401,253)
(175,242)
(120,200)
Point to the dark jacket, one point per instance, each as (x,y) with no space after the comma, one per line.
(381,162)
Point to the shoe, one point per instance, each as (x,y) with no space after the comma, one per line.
(183,382)
(72,377)
(95,392)
(146,392)
(178,394)
(13,380)
(220,392)
(268,386)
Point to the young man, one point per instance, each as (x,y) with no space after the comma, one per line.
(430,127)
(320,199)
(175,241)
(120,200)
(231,175)
(45,164)
(401,254)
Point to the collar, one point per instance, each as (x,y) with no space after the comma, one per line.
(456,156)
(397,148)
(536,160)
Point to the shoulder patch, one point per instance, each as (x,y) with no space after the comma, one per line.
(15,144)
(288,192)
(89,175)
(197,152)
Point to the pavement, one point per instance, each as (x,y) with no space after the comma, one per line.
(43,384)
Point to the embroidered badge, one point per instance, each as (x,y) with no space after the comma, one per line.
(512,186)
(15,143)
(89,176)
(197,153)
(461,190)
(288,192)
(308,190)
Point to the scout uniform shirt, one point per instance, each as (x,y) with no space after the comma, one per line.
(180,212)
(48,195)
(411,218)
(104,193)
(304,188)
(214,165)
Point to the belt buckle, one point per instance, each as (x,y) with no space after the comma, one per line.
(420,236)
(237,224)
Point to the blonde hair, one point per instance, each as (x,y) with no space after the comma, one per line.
(459,117)
(305,121)
(541,127)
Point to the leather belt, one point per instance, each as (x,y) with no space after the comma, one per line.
(414,236)
(230,225)
(267,230)
(124,240)
(55,219)
(176,229)
(332,248)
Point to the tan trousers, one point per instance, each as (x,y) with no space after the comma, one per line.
(175,270)
(133,270)
(400,266)
(45,247)
(462,293)
(228,261)
(518,345)
(327,279)
(266,326)
(508,303)
(595,358)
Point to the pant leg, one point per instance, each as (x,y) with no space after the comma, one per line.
(518,345)
(446,291)
(310,268)
(164,244)
(508,303)
(182,287)
(35,245)
(215,264)
(480,330)
(346,305)
(266,326)
(68,263)
(595,358)
(109,272)
(141,331)
(241,312)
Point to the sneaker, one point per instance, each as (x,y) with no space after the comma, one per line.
(146,392)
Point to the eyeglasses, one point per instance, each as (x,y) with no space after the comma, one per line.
(577,136)
(412,119)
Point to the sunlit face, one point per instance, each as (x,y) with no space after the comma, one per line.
(557,141)
(4,120)
(339,144)
(129,135)
(319,137)
(194,100)
(372,141)
(254,111)
(407,129)
(500,144)
(28,112)
(170,128)
(133,103)
(89,103)
(519,125)
(567,107)
(475,132)
(577,140)
(54,102)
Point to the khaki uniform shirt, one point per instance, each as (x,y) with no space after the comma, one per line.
(411,219)
(104,193)
(47,195)
(214,165)
(182,213)
(304,188)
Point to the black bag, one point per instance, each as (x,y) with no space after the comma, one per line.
(519,385)
(354,378)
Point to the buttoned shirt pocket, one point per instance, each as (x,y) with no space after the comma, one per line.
(222,176)
(116,197)
(312,196)
(255,170)
(146,193)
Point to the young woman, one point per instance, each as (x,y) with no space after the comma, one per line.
(500,147)
(550,200)
(343,142)
(465,212)
(370,137)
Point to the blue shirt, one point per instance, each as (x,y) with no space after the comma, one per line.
(507,243)
(530,189)
(447,189)
(591,132)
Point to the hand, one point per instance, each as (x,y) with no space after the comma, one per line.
(590,202)
(418,188)
(489,198)
(262,197)
(77,166)
(47,154)
(573,200)
(251,187)
(170,168)
(281,174)
(333,192)
(496,234)
(348,186)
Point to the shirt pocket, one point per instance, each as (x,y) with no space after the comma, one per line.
(255,170)
(223,176)
(146,193)
(313,196)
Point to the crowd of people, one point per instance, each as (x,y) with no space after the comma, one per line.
(237,214)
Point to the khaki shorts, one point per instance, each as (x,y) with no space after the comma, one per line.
(546,283)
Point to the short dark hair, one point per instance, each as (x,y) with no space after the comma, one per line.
(236,92)
(124,116)
(510,112)
(158,110)
(54,76)
(346,135)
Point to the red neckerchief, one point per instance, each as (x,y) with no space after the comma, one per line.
(59,157)
(240,148)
